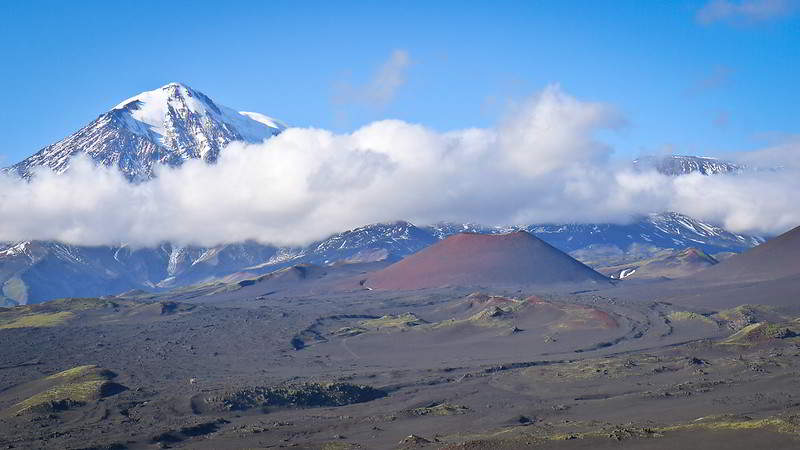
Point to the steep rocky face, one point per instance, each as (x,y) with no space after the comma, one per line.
(165,126)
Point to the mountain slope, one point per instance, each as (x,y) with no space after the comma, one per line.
(469,259)
(33,272)
(775,259)
(165,126)
(765,275)
(669,264)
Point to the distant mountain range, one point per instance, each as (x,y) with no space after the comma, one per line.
(31,272)
(176,123)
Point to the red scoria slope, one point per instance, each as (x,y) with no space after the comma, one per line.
(467,259)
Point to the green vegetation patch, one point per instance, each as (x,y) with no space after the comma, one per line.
(440,409)
(491,313)
(724,423)
(761,332)
(56,312)
(685,316)
(611,367)
(69,389)
(349,331)
(305,395)
(34,320)
(527,437)
(746,311)
(81,304)
(406,320)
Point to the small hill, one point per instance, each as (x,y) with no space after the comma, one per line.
(469,259)
(775,259)
(64,390)
(670,264)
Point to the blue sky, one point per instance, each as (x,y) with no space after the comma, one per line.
(690,77)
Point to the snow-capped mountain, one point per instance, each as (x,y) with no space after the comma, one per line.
(165,126)
(662,230)
(674,165)
(380,241)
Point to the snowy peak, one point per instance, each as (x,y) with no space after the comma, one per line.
(168,126)
(675,165)
(162,109)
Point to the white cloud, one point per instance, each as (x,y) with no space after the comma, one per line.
(744,10)
(783,153)
(382,88)
(544,163)
(391,77)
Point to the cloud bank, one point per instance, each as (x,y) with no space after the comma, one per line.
(544,163)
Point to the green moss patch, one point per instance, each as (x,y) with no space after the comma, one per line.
(406,320)
(723,423)
(349,331)
(756,312)
(440,409)
(82,304)
(34,320)
(69,389)
(686,316)
(762,332)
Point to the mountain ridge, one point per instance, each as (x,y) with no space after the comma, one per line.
(120,268)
